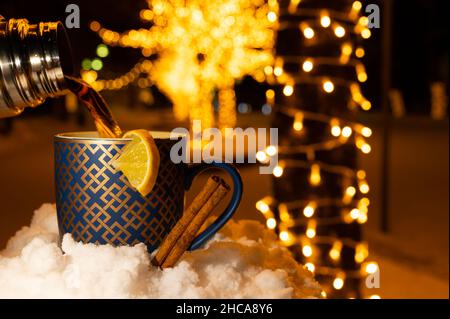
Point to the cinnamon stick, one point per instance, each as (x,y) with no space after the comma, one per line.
(192,229)
(169,242)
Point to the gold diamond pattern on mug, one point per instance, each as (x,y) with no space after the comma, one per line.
(97,204)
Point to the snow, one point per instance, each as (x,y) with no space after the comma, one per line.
(242,261)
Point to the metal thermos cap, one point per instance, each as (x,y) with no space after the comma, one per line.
(33,61)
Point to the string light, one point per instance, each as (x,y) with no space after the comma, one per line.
(325,20)
(311,230)
(364,187)
(338,282)
(356,6)
(314,177)
(278,170)
(284,235)
(335,128)
(335,252)
(196,49)
(371,267)
(359,52)
(310,266)
(308,32)
(309,209)
(361,252)
(288,90)
(366,132)
(272,16)
(346,131)
(262,207)
(339,31)
(298,122)
(307,65)
(307,250)
(271,223)
(365,148)
(270,97)
(271,150)
(365,33)
(328,86)
(351,205)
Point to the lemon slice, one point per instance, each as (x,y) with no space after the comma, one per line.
(139,161)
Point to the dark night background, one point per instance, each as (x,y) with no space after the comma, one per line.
(419,45)
(407,169)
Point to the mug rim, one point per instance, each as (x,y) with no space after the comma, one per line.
(93,136)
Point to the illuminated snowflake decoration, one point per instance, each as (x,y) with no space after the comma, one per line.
(195,48)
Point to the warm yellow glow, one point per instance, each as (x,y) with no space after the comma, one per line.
(339,31)
(366,131)
(365,148)
(293,6)
(309,209)
(89,76)
(272,16)
(314,177)
(364,188)
(365,33)
(270,94)
(362,217)
(261,156)
(288,90)
(374,297)
(371,267)
(310,267)
(308,32)
(323,294)
(311,229)
(350,191)
(307,250)
(268,69)
(271,150)
(262,206)
(354,213)
(364,201)
(95,26)
(199,49)
(146,14)
(271,223)
(356,5)
(278,70)
(366,105)
(335,252)
(328,86)
(284,235)
(335,130)
(359,52)
(338,282)
(361,174)
(346,131)
(298,122)
(284,213)
(361,252)
(346,49)
(325,20)
(362,77)
(307,65)
(278,171)
(363,20)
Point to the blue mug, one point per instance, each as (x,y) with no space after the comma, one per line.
(96,204)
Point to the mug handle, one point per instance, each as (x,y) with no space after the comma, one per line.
(194,170)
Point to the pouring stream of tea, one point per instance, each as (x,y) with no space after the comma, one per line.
(101,113)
